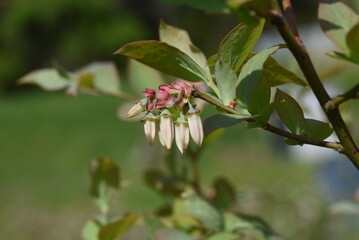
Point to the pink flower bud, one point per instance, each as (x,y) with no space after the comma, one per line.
(195,126)
(162,95)
(182,134)
(168,103)
(165,87)
(166,132)
(149,93)
(150,127)
(138,108)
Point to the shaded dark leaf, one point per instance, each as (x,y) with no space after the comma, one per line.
(104,173)
(219,121)
(225,194)
(167,234)
(164,58)
(162,183)
(113,230)
(290,112)
(209,6)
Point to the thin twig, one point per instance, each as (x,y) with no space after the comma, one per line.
(302,139)
(350,94)
(288,11)
(299,138)
(205,97)
(301,55)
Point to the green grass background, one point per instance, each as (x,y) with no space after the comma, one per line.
(47,141)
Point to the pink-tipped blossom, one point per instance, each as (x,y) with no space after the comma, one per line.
(195,126)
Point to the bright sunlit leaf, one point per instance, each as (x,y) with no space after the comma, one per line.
(239,42)
(251,75)
(49,79)
(180,39)
(336,19)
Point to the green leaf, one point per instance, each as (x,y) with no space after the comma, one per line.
(48,79)
(224,236)
(352,40)
(232,222)
(171,234)
(292,142)
(204,212)
(61,70)
(239,42)
(152,224)
(162,183)
(317,129)
(113,230)
(164,58)
(220,121)
(90,230)
(290,112)
(260,97)
(212,60)
(251,226)
(105,178)
(226,80)
(142,76)
(345,207)
(103,171)
(336,19)
(260,7)
(104,74)
(251,74)
(180,39)
(265,114)
(225,194)
(276,74)
(342,56)
(210,6)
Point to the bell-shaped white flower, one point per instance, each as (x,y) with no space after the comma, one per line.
(195,126)
(138,108)
(150,127)
(182,133)
(166,133)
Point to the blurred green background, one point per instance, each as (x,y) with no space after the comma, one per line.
(47,139)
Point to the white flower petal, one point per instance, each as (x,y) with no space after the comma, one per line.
(182,136)
(195,126)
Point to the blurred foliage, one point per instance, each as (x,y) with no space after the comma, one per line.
(34,32)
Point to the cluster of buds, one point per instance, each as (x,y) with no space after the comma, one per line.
(171,111)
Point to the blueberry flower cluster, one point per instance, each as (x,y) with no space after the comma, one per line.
(170,110)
